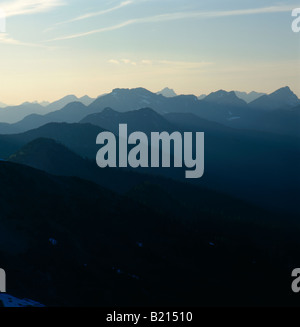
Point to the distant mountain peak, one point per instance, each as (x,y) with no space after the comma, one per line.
(108,110)
(35,103)
(85,97)
(249,97)
(167,92)
(138,90)
(202,96)
(70,97)
(75,104)
(86,100)
(281,98)
(222,97)
(147,110)
(41,152)
(221,94)
(284,91)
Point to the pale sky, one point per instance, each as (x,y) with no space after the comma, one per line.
(52,48)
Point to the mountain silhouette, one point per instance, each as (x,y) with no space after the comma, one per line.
(280,99)
(80,138)
(14,114)
(71,113)
(248,97)
(221,107)
(59,104)
(146,120)
(255,166)
(55,158)
(202,96)
(168,93)
(124,100)
(222,97)
(6,128)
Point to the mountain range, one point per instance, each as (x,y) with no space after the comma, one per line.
(233,158)
(266,113)
(73,234)
(13,114)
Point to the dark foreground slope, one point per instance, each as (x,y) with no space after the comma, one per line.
(162,194)
(111,250)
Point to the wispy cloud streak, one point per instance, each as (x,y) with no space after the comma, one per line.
(27,7)
(97,13)
(180,16)
(6,39)
(166,63)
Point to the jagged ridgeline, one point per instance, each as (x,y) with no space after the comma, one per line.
(277,112)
